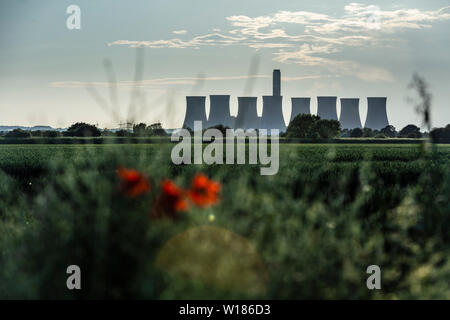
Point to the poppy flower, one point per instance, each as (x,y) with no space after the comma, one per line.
(171,201)
(204,192)
(133,183)
(174,195)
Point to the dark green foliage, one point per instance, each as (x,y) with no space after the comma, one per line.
(123,133)
(368,133)
(300,126)
(441,135)
(331,211)
(81,129)
(410,131)
(356,133)
(142,130)
(326,129)
(312,127)
(18,133)
(389,131)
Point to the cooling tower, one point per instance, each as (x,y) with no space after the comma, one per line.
(233,122)
(276,83)
(376,113)
(272,116)
(349,118)
(219,111)
(195,111)
(300,106)
(247,117)
(326,108)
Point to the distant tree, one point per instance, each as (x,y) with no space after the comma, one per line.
(380,136)
(18,133)
(410,131)
(356,133)
(440,135)
(36,133)
(107,133)
(123,133)
(368,133)
(345,133)
(301,125)
(389,131)
(156,129)
(140,129)
(51,134)
(81,129)
(325,128)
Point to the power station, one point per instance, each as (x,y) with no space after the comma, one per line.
(219,111)
(376,113)
(247,117)
(349,117)
(272,114)
(195,111)
(326,108)
(300,106)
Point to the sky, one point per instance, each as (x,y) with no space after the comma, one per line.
(51,75)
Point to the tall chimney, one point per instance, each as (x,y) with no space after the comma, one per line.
(276,83)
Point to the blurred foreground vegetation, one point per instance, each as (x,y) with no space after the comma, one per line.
(308,232)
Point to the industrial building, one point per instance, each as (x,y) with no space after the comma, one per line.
(349,117)
(300,106)
(326,108)
(219,111)
(376,113)
(247,117)
(272,113)
(195,111)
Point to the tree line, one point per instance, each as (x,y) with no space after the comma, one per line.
(81,129)
(303,126)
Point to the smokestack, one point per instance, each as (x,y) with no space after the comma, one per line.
(272,116)
(195,111)
(276,83)
(300,106)
(376,113)
(326,108)
(349,118)
(247,117)
(219,111)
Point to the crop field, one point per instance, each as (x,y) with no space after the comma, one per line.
(131,220)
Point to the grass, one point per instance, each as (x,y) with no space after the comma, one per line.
(308,232)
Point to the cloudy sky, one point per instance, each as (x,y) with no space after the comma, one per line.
(51,75)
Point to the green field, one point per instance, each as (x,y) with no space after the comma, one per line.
(308,232)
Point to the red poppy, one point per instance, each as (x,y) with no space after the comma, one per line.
(204,192)
(133,183)
(171,201)
(174,195)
